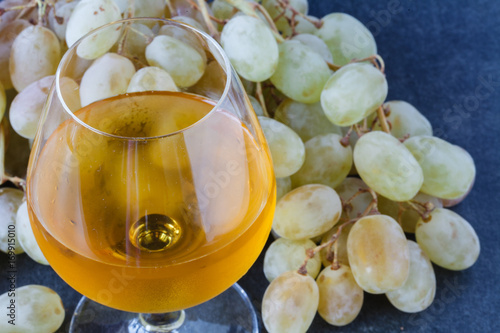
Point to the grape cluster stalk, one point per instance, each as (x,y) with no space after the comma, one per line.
(355,173)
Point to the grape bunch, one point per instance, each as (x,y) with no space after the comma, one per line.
(356,174)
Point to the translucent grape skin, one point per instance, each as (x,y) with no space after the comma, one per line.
(387,166)
(38,309)
(316,44)
(283,186)
(151,79)
(405,120)
(108,76)
(301,72)
(409,217)
(8,34)
(284,255)
(340,297)
(449,170)
(287,149)
(282,23)
(327,162)
(34,42)
(346,37)
(307,120)
(179,59)
(251,47)
(26,237)
(448,239)
(306,212)
(418,292)
(352,93)
(378,254)
(10,200)
(290,303)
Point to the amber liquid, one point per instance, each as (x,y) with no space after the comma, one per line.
(148,223)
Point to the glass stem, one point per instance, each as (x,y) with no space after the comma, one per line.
(162,322)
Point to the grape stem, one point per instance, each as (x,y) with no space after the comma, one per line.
(212,18)
(423,209)
(383,120)
(203,7)
(285,4)
(131,8)
(260,97)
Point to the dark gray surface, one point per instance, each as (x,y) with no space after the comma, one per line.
(438,55)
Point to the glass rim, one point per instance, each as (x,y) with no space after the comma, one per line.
(208,39)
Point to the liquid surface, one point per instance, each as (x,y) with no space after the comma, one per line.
(183,215)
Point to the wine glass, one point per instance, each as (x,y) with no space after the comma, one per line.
(150,184)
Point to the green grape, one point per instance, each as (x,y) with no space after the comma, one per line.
(38,309)
(290,303)
(448,240)
(184,36)
(256,106)
(59,16)
(405,120)
(283,186)
(87,16)
(8,34)
(26,237)
(179,59)
(34,42)
(306,212)
(283,23)
(327,162)
(150,79)
(316,44)
(340,298)
(449,170)
(409,217)
(221,9)
(301,72)
(10,200)
(346,37)
(378,254)
(418,292)
(307,120)
(27,107)
(284,255)
(387,166)
(149,8)
(287,149)
(353,93)
(341,246)
(347,189)
(303,26)
(251,47)
(190,21)
(122,5)
(108,76)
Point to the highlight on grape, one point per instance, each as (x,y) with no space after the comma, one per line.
(354,171)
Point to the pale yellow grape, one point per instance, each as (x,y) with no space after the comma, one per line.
(406,120)
(185,36)
(340,297)
(58,17)
(306,212)
(307,120)
(212,83)
(448,239)
(251,47)
(27,107)
(256,106)
(316,44)
(179,59)
(283,186)
(138,38)
(409,217)
(190,21)
(346,190)
(87,16)
(8,34)
(387,166)
(122,5)
(26,237)
(151,79)
(418,292)
(449,170)
(287,149)
(38,309)
(342,257)
(452,202)
(301,73)
(346,37)
(353,93)
(34,42)
(290,303)
(327,162)
(285,255)
(10,200)
(378,254)
(108,76)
